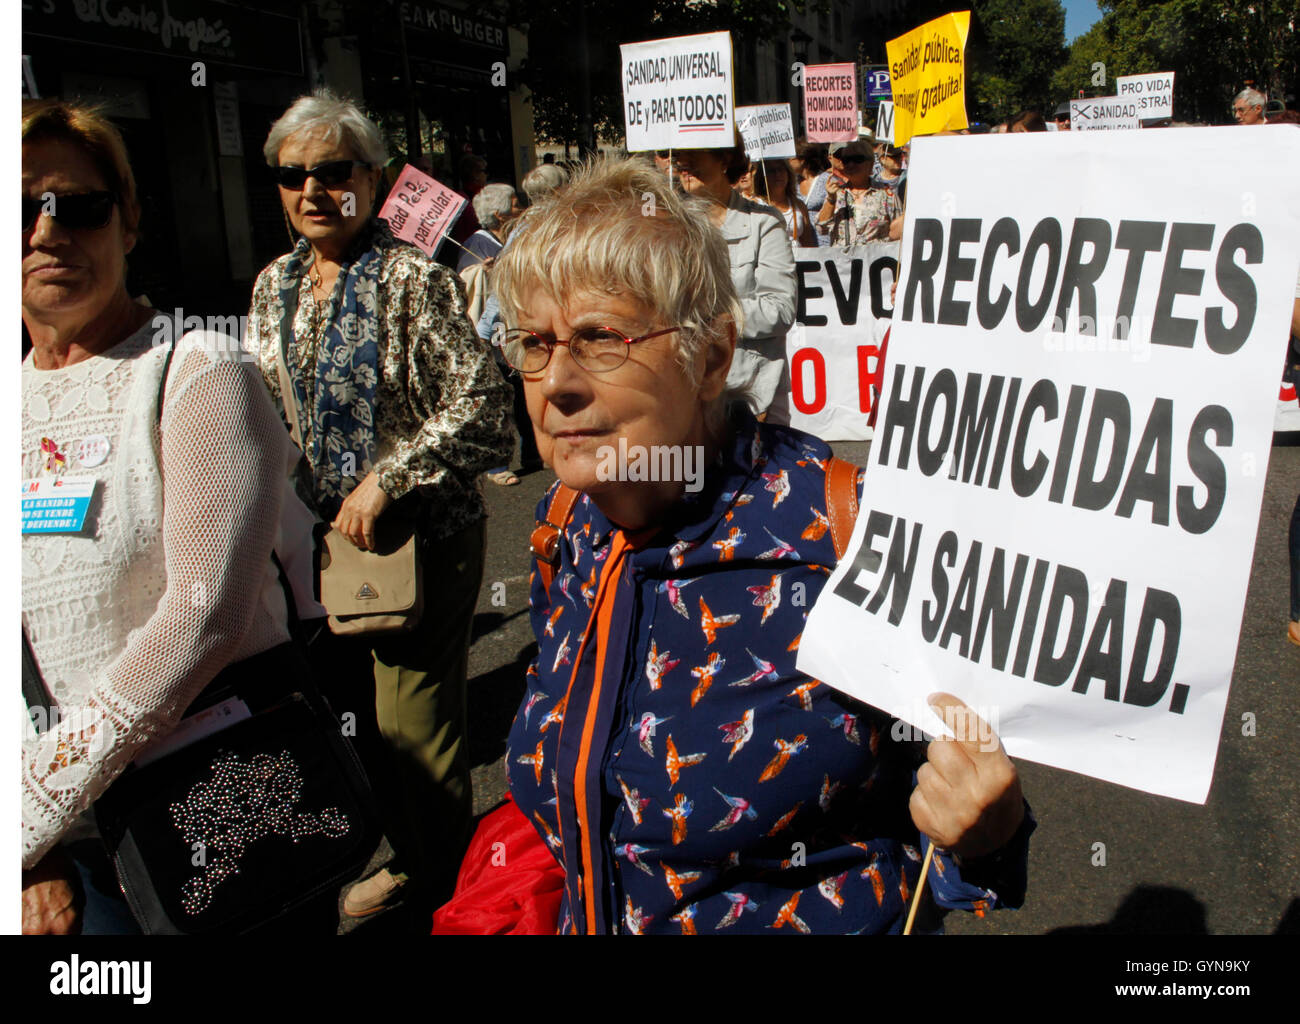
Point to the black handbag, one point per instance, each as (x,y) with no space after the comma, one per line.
(244,826)
(263,809)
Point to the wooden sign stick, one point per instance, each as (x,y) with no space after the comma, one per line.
(920,888)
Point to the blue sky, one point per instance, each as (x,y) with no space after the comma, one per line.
(1080,15)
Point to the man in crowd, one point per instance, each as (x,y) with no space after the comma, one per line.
(1248,107)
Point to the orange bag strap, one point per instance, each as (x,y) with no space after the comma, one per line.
(545,539)
(841,501)
(841,510)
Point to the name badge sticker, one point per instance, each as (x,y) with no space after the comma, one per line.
(56,504)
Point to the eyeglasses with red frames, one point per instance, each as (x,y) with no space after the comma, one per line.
(595,349)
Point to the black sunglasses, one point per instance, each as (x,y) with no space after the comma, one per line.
(853,158)
(336,172)
(81,211)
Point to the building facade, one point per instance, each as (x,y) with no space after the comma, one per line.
(194,85)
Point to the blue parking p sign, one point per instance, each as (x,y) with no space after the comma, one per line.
(875,84)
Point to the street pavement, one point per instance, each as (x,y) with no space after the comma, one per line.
(1229,867)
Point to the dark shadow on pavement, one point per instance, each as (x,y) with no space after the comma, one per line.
(1149,910)
(490,622)
(494,698)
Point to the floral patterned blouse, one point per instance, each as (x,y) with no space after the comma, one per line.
(442,409)
(863,217)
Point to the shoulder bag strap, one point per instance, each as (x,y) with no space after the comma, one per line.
(841,510)
(288,397)
(545,539)
(34,691)
(841,502)
(162,381)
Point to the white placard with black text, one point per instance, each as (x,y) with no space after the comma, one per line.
(885,122)
(1069,457)
(767,130)
(678,93)
(1105,113)
(1154,93)
(834,346)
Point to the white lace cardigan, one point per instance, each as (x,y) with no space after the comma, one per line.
(130,618)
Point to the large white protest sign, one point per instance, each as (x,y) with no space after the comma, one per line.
(767,130)
(834,347)
(1070,452)
(1154,93)
(1105,113)
(678,93)
(885,122)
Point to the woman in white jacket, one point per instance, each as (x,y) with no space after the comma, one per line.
(762,268)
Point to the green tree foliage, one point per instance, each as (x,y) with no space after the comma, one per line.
(1014,48)
(559,49)
(1214,47)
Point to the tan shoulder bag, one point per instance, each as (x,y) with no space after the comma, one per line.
(365,592)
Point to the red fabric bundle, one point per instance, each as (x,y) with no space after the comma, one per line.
(514,888)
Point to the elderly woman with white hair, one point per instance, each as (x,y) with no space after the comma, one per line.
(398,408)
(542,180)
(684,775)
(495,206)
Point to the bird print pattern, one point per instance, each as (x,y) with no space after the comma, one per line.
(737,794)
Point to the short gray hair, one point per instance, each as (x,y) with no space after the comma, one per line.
(621,229)
(324,115)
(1253,98)
(492,205)
(542,180)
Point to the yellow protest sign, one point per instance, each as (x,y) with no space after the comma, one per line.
(927,69)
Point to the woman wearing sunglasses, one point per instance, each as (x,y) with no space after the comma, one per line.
(399,409)
(686,778)
(854,211)
(132,606)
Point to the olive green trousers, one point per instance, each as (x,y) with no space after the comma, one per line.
(420,704)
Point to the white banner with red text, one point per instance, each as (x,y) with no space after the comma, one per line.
(834,347)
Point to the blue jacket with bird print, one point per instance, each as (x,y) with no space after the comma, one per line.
(685,775)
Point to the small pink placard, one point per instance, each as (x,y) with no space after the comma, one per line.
(830,102)
(420,209)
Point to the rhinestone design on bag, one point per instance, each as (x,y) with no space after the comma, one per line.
(242,802)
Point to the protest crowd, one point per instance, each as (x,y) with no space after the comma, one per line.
(255,533)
